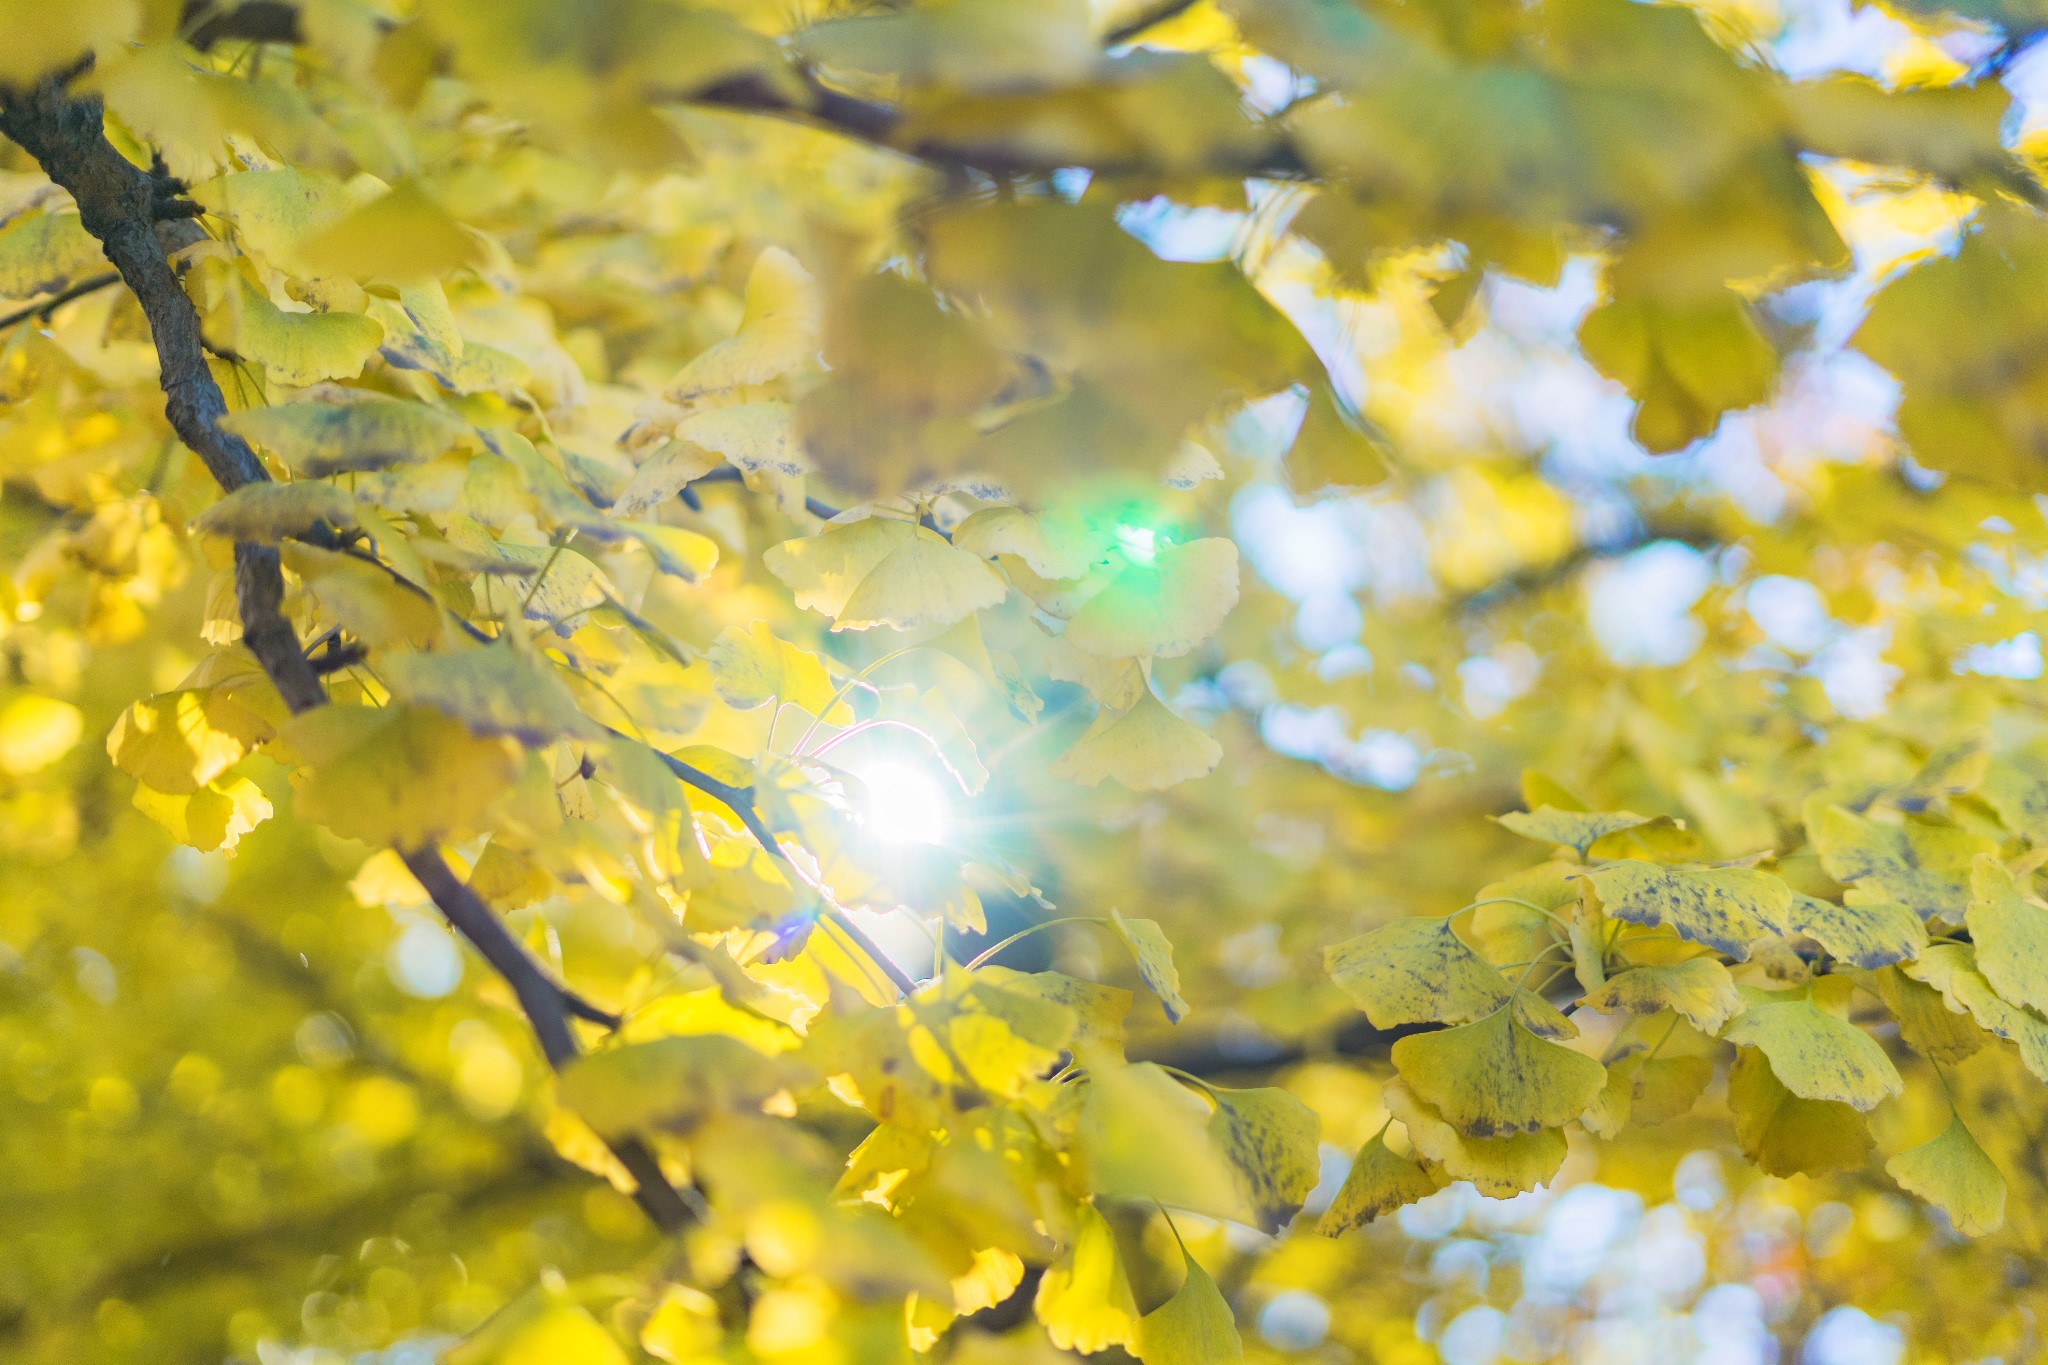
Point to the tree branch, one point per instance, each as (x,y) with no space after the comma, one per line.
(92,284)
(118,203)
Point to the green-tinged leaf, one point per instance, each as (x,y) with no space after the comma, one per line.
(749,665)
(1380,1181)
(1787,1135)
(1698,989)
(271,512)
(370,432)
(675,1082)
(1415,971)
(1724,908)
(1498,1166)
(1951,968)
(1815,1053)
(1271,1138)
(1953,1173)
(1925,868)
(400,235)
(1154,957)
(883,572)
(293,348)
(41,253)
(1145,747)
(2010,932)
(1143,1135)
(1926,1022)
(1194,1327)
(1575,829)
(1164,608)
(401,775)
(494,690)
(1495,1078)
(1863,935)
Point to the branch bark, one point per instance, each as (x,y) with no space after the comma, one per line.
(118,203)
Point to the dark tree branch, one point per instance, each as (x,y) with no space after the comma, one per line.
(120,204)
(1138,25)
(91,284)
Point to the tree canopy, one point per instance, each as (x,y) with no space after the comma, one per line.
(988,680)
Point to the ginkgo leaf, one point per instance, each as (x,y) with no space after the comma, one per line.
(1495,1078)
(1699,990)
(759,438)
(1084,1299)
(1162,609)
(674,1082)
(1194,1327)
(41,253)
(400,235)
(179,742)
(1924,867)
(400,775)
(42,41)
(1380,1181)
(882,572)
(2016,785)
(1415,971)
(1051,548)
(1496,1166)
(1575,829)
(271,512)
(1952,1172)
(1951,968)
(1272,1139)
(495,690)
(1146,748)
(1666,1087)
(274,209)
(680,553)
(215,817)
(779,333)
(1725,908)
(554,585)
(1816,1054)
(1863,935)
(1154,958)
(294,348)
(1926,1022)
(662,476)
(1142,1135)
(1786,1135)
(547,1332)
(750,665)
(2010,933)
(372,432)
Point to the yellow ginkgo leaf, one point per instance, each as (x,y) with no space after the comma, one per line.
(1415,971)
(294,348)
(215,817)
(749,665)
(1578,829)
(1925,868)
(1154,956)
(683,1328)
(1698,989)
(274,210)
(1726,908)
(1272,1139)
(1866,935)
(1163,608)
(400,235)
(41,253)
(1494,1077)
(1666,1087)
(1146,748)
(1051,548)
(548,1332)
(1142,1135)
(1084,1299)
(681,553)
(662,476)
(45,38)
(1787,1135)
(371,432)
(178,742)
(1194,1327)
(271,512)
(1953,1173)
(779,333)
(759,438)
(36,731)
(1380,1181)
(1814,1052)
(1926,1022)
(1496,1166)
(2010,932)
(883,572)
(401,775)
(1951,968)
(495,690)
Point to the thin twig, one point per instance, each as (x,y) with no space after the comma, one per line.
(91,284)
